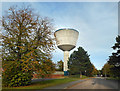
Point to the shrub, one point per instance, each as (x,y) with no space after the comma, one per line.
(13,76)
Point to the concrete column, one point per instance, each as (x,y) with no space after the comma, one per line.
(66,56)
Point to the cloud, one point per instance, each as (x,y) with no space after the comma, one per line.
(96,22)
(97,26)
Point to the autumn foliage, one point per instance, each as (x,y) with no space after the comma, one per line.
(26,47)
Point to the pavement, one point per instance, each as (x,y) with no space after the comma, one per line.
(96,83)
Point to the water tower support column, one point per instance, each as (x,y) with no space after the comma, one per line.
(66,56)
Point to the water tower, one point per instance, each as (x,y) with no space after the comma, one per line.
(66,40)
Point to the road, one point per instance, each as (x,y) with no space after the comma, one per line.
(96,83)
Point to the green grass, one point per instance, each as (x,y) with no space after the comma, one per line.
(43,84)
(112,78)
(78,76)
(48,83)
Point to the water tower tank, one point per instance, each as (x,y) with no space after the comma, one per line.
(66,40)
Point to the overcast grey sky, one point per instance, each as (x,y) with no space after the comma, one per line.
(97,23)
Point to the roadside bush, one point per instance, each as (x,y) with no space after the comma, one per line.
(13,76)
(20,79)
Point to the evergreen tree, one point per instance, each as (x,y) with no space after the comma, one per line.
(79,63)
(114,59)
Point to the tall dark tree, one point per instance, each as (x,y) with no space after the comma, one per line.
(114,59)
(27,45)
(79,63)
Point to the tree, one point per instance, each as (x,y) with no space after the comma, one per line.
(114,59)
(46,68)
(94,71)
(106,70)
(59,65)
(79,62)
(99,72)
(26,47)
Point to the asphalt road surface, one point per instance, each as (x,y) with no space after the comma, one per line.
(96,83)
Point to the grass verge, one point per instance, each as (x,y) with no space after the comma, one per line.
(112,78)
(46,83)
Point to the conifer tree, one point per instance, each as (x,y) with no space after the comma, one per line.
(79,63)
(114,59)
